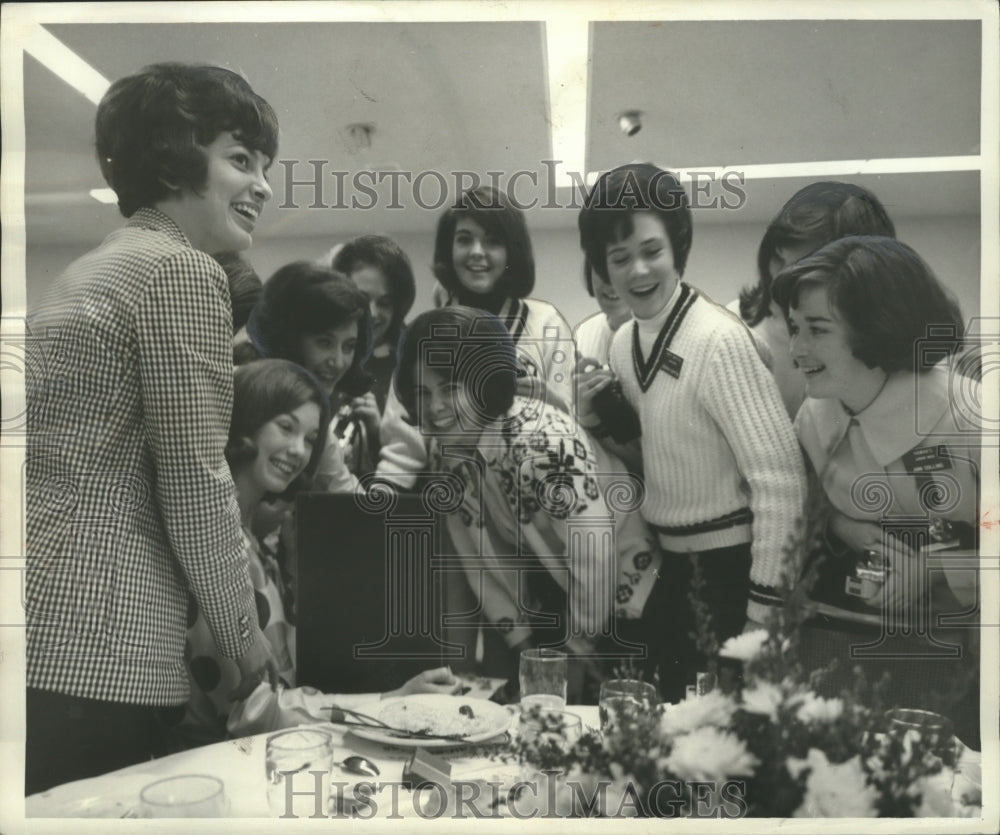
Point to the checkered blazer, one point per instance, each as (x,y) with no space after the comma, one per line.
(130,505)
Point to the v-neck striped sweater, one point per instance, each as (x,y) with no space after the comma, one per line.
(722,465)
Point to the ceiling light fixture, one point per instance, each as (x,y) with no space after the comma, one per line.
(630,122)
(104,195)
(360,135)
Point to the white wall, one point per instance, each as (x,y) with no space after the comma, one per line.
(723,259)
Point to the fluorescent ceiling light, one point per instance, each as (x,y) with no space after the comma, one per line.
(567,50)
(65,63)
(104,195)
(825,168)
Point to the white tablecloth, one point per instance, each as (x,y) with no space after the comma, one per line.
(239,764)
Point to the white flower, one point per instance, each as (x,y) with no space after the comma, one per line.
(744,647)
(764,698)
(936,798)
(710,754)
(814,708)
(714,708)
(833,791)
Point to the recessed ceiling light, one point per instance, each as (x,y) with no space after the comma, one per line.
(630,122)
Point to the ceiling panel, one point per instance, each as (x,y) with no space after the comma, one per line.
(442,97)
(446,97)
(725,93)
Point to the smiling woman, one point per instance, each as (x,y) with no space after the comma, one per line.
(723,475)
(222,214)
(148,317)
(314,316)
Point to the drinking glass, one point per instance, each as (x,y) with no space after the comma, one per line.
(184,796)
(623,699)
(934,729)
(551,726)
(543,679)
(298,766)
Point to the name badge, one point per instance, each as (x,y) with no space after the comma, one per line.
(929,459)
(671,363)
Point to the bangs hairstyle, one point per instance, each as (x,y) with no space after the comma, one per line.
(264,389)
(384,254)
(491,209)
(606,216)
(472,344)
(819,213)
(886,295)
(151,128)
(306,298)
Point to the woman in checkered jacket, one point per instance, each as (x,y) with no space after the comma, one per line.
(131,510)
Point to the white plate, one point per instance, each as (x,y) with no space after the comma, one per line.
(498,720)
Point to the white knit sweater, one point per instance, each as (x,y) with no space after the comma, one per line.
(717,441)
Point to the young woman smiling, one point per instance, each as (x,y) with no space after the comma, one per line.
(723,473)
(483,260)
(594,334)
(141,393)
(318,318)
(885,419)
(382,271)
(813,216)
(275,444)
(529,476)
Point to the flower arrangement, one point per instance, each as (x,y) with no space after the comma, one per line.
(763,743)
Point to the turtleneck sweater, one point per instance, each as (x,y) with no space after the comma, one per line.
(721,461)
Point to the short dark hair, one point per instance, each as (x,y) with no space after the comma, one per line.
(490,208)
(307,298)
(386,255)
(606,215)
(886,295)
(478,349)
(151,127)
(264,389)
(588,277)
(819,213)
(245,286)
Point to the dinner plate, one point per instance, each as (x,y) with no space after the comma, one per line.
(442,712)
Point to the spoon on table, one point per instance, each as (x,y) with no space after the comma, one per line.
(360,765)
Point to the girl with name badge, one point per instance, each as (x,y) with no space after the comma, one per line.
(723,474)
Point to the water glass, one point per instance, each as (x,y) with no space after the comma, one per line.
(623,699)
(184,796)
(546,727)
(298,766)
(934,729)
(543,679)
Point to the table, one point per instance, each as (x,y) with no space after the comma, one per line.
(239,763)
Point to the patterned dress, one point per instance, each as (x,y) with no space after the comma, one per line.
(548,522)
(213,676)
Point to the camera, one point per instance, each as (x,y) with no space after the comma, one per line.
(617,415)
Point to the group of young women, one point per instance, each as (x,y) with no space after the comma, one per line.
(736,420)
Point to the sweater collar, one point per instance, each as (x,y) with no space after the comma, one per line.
(654,324)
